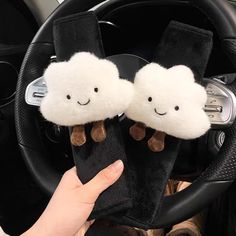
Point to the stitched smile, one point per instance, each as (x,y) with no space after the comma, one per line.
(84,104)
(160,114)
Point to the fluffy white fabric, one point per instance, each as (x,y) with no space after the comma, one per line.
(169,100)
(83,90)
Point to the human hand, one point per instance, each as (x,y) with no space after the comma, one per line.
(72,203)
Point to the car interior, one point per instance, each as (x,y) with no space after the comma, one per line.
(35,153)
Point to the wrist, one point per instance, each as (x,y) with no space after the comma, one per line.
(35,231)
(39,229)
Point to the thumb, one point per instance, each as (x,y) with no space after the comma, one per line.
(104,179)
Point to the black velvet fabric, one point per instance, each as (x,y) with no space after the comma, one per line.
(81,32)
(148,172)
(76,33)
(186,45)
(93,157)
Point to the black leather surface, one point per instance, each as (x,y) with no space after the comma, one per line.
(229,46)
(224,168)
(213,9)
(36,60)
(221,14)
(27,118)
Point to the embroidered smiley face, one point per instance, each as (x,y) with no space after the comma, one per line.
(170,101)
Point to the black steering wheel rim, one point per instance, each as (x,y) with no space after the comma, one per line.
(218,176)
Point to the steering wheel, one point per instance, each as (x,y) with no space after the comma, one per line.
(213,181)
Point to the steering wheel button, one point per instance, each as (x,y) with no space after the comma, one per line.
(212,101)
(212,108)
(214,90)
(38,95)
(211,116)
(35,92)
(221,104)
(210,92)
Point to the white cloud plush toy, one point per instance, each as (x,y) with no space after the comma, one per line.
(82,90)
(169,101)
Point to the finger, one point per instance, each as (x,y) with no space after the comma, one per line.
(87,225)
(84,228)
(70,179)
(104,179)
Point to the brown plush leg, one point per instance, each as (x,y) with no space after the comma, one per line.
(157,142)
(78,137)
(98,132)
(138,131)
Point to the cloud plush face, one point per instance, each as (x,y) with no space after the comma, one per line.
(84,89)
(169,100)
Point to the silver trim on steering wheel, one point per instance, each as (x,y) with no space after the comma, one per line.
(221,103)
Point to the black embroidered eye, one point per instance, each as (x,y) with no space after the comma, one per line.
(177,108)
(150,99)
(95,90)
(68,97)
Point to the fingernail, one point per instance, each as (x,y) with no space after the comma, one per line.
(117,166)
